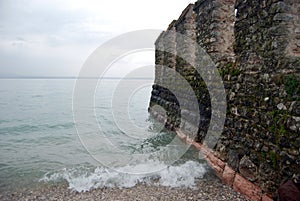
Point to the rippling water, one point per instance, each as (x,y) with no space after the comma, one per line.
(39,142)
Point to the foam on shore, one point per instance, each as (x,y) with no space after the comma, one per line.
(83,179)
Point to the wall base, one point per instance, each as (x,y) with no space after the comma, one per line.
(227,174)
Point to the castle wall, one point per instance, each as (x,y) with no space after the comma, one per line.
(255,47)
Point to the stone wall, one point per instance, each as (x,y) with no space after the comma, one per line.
(263,95)
(256,48)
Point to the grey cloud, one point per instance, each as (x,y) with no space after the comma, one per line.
(60,26)
(41,37)
(29,27)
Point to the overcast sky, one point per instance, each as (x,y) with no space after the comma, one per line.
(54,38)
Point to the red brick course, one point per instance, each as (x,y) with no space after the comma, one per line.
(227,174)
(247,188)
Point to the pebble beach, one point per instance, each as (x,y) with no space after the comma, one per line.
(206,189)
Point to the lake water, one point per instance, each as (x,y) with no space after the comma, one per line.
(39,142)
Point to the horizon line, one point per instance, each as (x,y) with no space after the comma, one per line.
(68,77)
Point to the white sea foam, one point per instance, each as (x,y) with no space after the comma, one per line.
(85,179)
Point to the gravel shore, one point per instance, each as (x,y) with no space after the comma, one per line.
(206,189)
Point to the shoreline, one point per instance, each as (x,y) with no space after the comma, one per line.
(206,189)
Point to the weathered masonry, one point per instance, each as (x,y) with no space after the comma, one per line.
(256,48)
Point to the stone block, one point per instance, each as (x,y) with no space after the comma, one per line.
(248,169)
(216,168)
(247,188)
(233,159)
(216,163)
(266,198)
(228,175)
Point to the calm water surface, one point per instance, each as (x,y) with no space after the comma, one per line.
(39,142)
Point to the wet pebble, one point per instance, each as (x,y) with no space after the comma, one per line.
(206,190)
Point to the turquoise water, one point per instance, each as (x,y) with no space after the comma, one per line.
(39,141)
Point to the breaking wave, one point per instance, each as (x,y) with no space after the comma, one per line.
(83,179)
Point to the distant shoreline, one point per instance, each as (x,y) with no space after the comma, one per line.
(73,78)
